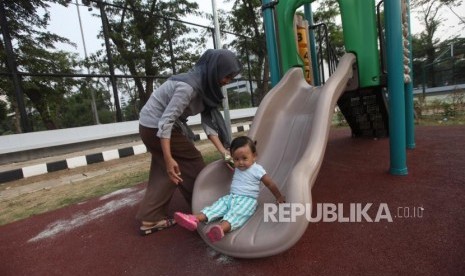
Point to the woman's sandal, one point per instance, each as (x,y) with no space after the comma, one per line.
(162,224)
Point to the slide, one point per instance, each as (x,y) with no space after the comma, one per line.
(291,128)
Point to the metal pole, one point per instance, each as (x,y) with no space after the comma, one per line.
(93,105)
(214,37)
(423,81)
(227,117)
(250,76)
(119,116)
(271,41)
(12,66)
(320,54)
(452,55)
(395,68)
(168,29)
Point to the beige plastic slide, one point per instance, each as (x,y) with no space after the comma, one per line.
(291,128)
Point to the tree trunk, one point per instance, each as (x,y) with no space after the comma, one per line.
(40,104)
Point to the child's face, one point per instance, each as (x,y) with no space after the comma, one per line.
(243,158)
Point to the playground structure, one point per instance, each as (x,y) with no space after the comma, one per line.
(293,121)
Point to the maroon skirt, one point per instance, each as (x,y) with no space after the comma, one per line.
(160,188)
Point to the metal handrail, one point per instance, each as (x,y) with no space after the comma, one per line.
(331,56)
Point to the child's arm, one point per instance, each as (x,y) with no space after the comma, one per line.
(269,183)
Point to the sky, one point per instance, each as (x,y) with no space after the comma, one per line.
(64,22)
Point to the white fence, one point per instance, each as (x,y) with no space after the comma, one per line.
(62,137)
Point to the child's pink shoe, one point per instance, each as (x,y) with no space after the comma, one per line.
(187,221)
(216,233)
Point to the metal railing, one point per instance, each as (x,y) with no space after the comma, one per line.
(112,77)
(325,51)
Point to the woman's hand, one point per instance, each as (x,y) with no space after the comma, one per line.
(224,152)
(172,168)
(228,159)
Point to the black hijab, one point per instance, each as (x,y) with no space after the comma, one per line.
(213,66)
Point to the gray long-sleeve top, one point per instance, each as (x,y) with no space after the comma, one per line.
(173,100)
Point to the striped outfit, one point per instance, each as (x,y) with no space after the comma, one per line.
(238,206)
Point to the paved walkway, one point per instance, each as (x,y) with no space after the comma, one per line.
(19,170)
(99,237)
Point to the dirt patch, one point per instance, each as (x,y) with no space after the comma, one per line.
(30,196)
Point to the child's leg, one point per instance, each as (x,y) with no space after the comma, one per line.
(209,213)
(201,217)
(225,226)
(217,232)
(217,210)
(190,222)
(242,208)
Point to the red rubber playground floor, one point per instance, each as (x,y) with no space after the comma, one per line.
(426,235)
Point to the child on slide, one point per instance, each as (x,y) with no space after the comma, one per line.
(240,204)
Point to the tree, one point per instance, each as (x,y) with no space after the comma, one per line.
(245,19)
(238,99)
(449,65)
(452,5)
(3,110)
(75,110)
(429,13)
(35,52)
(142,33)
(4,123)
(432,63)
(327,12)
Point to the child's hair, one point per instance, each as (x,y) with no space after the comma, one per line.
(241,141)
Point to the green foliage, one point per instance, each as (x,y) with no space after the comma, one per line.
(427,12)
(3,110)
(449,110)
(77,108)
(77,111)
(6,124)
(424,43)
(327,13)
(141,33)
(447,67)
(239,100)
(340,119)
(35,52)
(419,106)
(245,19)
(130,110)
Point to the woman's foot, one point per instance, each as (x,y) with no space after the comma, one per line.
(189,222)
(215,233)
(152,227)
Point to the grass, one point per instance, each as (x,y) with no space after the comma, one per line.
(425,120)
(441,120)
(45,200)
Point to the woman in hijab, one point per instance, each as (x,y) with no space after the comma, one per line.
(163,129)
